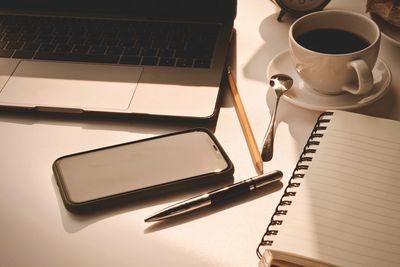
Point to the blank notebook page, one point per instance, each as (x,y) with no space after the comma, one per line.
(346,211)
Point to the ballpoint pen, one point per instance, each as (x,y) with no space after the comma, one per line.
(217,196)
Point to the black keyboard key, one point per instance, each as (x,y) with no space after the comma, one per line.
(110,33)
(110,41)
(23,54)
(46,39)
(80,49)
(144,42)
(205,54)
(77,40)
(185,53)
(30,47)
(61,39)
(3,44)
(134,60)
(28,37)
(114,51)
(149,52)
(14,45)
(93,41)
(202,63)
(6,53)
(150,61)
(97,50)
(194,52)
(12,37)
(47,47)
(132,51)
(180,45)
(184,62)
(11,28)
(166,53)
(62,48)
(76,57)
(127,42)
(160,42)
(167,61)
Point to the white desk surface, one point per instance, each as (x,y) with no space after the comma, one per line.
(36,229)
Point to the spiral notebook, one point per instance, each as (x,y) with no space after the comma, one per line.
(342,204)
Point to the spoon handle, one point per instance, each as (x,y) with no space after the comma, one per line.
(267,150)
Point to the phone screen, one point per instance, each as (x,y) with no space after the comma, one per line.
(123,168)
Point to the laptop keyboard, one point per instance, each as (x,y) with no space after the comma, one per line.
(108,41)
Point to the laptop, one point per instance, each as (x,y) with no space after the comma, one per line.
(162,58)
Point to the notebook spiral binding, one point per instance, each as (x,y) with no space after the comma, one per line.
(294,181)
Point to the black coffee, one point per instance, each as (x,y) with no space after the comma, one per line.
(332,41)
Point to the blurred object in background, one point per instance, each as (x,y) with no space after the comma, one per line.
(389,10)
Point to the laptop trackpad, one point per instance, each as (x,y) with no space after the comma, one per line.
(75,85)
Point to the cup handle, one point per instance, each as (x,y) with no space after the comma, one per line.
(364,76)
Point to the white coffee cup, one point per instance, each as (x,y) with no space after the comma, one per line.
(332,73)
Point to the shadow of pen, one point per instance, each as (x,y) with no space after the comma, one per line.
(209,210)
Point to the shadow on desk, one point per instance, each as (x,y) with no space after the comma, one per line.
(73,222)
(298,119)
(108,123)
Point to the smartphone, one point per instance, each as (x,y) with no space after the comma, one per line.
(141,169)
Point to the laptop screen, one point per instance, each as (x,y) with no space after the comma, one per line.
(126,8)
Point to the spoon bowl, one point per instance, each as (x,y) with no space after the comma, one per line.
(280,83)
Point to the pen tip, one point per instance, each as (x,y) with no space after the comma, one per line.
(150,219)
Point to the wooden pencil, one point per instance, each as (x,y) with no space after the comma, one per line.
(244,121)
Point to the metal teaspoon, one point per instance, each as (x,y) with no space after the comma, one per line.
(280,83)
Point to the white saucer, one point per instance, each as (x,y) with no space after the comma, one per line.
(303,96)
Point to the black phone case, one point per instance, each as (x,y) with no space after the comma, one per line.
(143,193)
